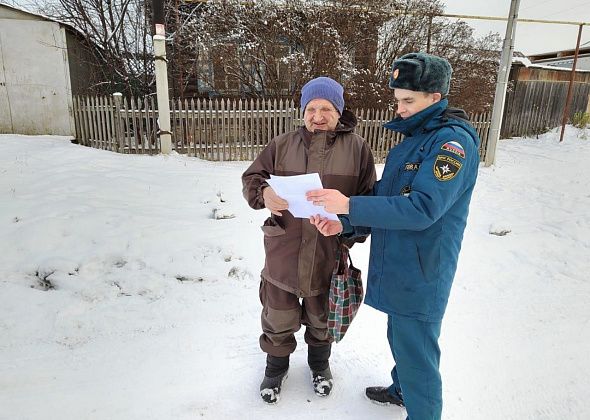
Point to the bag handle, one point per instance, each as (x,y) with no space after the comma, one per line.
(343,249)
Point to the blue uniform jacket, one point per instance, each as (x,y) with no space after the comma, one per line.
(417,213)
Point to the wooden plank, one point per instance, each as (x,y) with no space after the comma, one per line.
(536,108)
(186,127)
(228,117)
(97,117)
(103,121)
(268,122)
(77,128)
(371,121)
(79,112)
(180,127)
(248,132)
(240,138)
(193,131)
(86,121)
(235,120)
(258,128)
(140,120)
(148,125)
(173,124)
(126,126)
(134,112)
(201,128)
(292,115)
(154,139)
(111,124)
(275,120)
(210,137)
(223,128)
(90,116)
(282,120)
(95,142)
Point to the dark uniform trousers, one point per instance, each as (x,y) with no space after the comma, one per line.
(414,345)
(282,316)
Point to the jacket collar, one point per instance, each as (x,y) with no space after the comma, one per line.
(409,126)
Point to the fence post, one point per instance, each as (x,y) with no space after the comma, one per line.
(117,98)
(162,93)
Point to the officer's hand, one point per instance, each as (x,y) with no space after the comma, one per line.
(273,202)
(333,201)
(325,226)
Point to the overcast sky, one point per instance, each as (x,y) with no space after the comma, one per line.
(531,38)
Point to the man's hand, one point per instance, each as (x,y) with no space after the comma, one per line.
(333,201)
(326,226)
(273,202)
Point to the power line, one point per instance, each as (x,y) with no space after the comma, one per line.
(536,5)
(567,10)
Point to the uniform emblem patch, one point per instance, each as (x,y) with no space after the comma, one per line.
(406,191)
(454,147)
(446,167)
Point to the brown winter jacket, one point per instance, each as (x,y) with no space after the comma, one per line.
(299,259)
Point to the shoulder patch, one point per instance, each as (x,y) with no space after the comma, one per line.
(446,167)
(455,148)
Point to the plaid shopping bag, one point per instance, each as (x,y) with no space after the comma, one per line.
(346,294)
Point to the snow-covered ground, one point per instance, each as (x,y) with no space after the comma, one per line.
(123,297)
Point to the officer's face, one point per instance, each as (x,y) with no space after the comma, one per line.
(320,114)
(410,102)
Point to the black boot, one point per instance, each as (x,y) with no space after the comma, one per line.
(274,376)
(381,395)
(321,376)
(322,382)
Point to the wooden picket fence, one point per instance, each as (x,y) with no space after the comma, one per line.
(219,129)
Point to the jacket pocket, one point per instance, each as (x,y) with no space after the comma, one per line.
(272,228)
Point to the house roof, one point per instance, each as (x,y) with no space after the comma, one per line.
(559,54)
(39,15)
(524,61)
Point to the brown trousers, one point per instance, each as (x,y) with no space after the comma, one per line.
(282,316)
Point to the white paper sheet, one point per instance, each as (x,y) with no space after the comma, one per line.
(293,189)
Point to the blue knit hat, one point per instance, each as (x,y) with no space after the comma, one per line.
(323,88)
(421,72)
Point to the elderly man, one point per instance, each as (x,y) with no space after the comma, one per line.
(416,215)
(299,262)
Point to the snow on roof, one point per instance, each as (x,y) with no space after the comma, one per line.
(527,63)
(20,9)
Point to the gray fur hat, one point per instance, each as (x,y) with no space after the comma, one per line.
(421,72)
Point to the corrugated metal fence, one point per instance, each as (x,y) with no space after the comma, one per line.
(217,129)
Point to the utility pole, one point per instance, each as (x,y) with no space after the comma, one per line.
(568,100)
(501,84)
(161,66)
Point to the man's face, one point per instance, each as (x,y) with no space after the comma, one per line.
(410,102)
(320,114)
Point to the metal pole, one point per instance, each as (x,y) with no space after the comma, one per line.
(161,67)
(501,84)
(566,111)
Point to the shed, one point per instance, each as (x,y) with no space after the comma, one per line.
(42,64)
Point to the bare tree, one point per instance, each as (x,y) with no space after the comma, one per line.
(270,48)
(117,38)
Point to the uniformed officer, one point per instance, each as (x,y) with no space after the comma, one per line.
(416,215)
